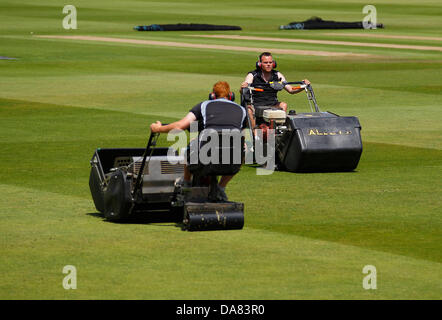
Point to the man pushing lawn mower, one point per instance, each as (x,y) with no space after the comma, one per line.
(218,113)
(157,180)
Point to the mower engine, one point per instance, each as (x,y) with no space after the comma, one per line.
(274,116)
(158,176)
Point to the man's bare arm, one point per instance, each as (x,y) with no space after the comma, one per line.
(182,124)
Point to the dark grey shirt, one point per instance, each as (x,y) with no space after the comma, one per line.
(219,114)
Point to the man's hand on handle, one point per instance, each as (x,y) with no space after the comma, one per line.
(155,127)
(245,84)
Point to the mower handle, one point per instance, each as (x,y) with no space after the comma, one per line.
(254,88)
(284,83)
(151,142)
(295,82)
(308,88)
(302,85)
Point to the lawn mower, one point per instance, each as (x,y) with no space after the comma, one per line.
(307,142)
(125,182)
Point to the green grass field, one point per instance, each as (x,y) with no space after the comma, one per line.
(306,236)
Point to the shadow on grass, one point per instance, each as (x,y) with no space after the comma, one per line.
(306,172)
(160,218)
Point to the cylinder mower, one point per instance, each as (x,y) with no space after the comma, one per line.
(128,181)
(307,142)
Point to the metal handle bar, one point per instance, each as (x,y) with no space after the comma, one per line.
(152,142)
(295,82)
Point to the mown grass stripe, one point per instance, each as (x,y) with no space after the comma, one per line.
(209,46)
(326,42)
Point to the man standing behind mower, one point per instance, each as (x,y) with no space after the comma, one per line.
(219,112)
(263,74)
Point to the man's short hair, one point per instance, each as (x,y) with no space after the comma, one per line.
(221,89)
(264,54)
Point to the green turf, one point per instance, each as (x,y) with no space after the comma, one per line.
(306,236)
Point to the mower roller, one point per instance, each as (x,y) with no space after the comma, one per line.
(307,142)
(125,182)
